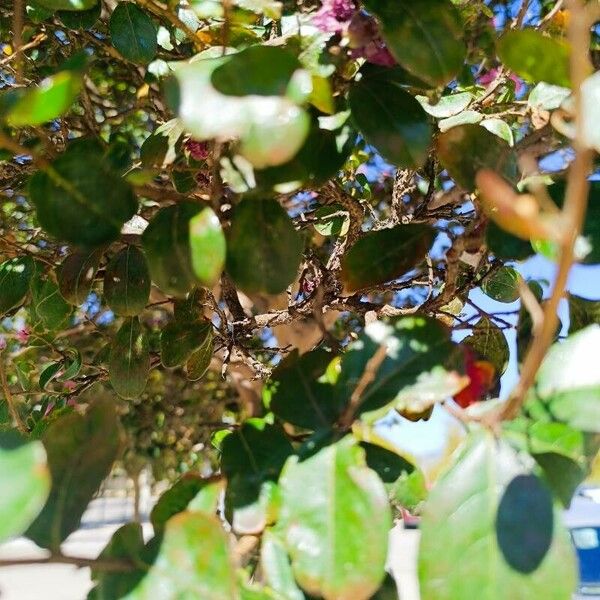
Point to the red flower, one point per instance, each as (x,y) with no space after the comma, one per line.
(481,374)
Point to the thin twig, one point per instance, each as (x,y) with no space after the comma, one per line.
(573,213)
(17,26)
(105,564)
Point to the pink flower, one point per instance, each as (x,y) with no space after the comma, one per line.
(2,343)
(198,150)
(22,336)
(490,76)
(364,39)
(69,385)
(333,16)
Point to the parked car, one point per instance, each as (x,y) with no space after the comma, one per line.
(583,521)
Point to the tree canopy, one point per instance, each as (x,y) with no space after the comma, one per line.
(235,235)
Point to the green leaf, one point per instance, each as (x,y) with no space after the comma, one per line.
(208,246)
(198,363)
(547,97)
(525,523)
(556,438)
(410,490)
(332,220)
(81,451)
(127,544)
(166,242)
(460,555)
(48,309)
(388,590)
(15,277)
(76,275)
(275,564)
(387,464)
(129,362)
(179,340)
(582,313)
(466,149)
(335,520)
(81,19)
(425,39)
(489,343)
(419,353)
(500,128)
(245,73)
(391,120)
(127,282)
(193,562)
(53,97)
(504,245)
(446,106)
(502,285)
(271,129)
(535,56)
(562,475)
(25,483)
(568,383)
(263,248)
(72,5)
(133,33)
(79,199)
(297,393)
(176,499)
(464,118)
(383,255)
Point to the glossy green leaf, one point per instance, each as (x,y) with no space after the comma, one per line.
(15,277)
(72,5)
(275,564)
(467,117)
(466,149)
(176,499)
(446,106)
(535,56)
(582,313)
(502,285)
(244,73)
(547,97)
(199,362)
(193,562)
(383,255)
(500,128)
(76,275)
(489,343)
(127,282)
(263,248)
(48,309)
(562,475)
(426,40)
(298,395)
(53,97)
(271,128)
(420,367)
(129,362)
(387,464)
(555,438)
(166,243)
(332,220)
(179,340)
(568,383)
(133,33)
(25,483)
(81,450)
(460,554)
(506,246)
(208,246)
(391,120)
(335,520)
(81,19)
(79,198)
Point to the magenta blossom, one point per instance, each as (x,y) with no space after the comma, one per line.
(198,150)
(334,15)
(490,76)
(366,42)
(22,336)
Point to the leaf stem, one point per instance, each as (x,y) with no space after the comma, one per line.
(104,564)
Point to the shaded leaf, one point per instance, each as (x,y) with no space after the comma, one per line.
(133,33)
(15,277)
(582,313)
(426,41)
(76,275)
(383,255)
(127,282)
(79,198)
(390,119)
(48,309)
(176,499)
(197,364)
(263,248)
(562,475)
(81,450)
(489,343)
(80,19)
(179,340)
(129,362)
(166,243)
(74,5)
